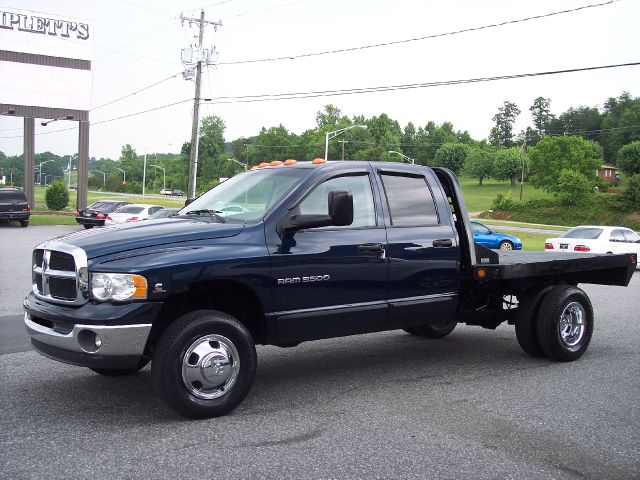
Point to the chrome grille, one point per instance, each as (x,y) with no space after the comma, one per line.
(59,273)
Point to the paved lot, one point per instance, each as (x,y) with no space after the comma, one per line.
(385,405)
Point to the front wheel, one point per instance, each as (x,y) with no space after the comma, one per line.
(505,245)
(565,323)
(24,223)
(204,364)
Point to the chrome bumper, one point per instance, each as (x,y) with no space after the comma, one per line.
(115,341)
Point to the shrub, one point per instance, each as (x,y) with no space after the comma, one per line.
(57,196)
(503,203)
(630,198)
(573,188)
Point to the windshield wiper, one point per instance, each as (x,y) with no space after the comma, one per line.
(214,213)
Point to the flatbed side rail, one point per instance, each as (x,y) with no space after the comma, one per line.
(600,269)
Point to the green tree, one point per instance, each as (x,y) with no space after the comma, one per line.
(583,121)
(509,163)
(57,196)
(620,124)
(502,133)
(452,156)
(629,158)
(479,163)
(552,155)
(541,114)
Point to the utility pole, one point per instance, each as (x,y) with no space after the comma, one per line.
(195,127)
(343,142)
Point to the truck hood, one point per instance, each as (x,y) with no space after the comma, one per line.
(97,242)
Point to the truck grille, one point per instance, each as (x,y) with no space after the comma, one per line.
(59,273)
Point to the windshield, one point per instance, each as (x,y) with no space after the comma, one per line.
(247,196)
(583,233)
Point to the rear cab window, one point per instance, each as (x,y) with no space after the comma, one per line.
(409,200)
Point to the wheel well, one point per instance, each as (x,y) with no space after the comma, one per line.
(233,298)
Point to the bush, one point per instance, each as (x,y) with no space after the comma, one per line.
(503,203)
(573,188)
(630,198)
(57,196)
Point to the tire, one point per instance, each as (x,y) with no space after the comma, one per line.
(526,322)
(121,372)
(87,227)
(24,223)
(204,364)
(505,245)
(433,330)
(565,323)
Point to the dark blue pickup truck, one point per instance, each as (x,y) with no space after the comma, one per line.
(291,253)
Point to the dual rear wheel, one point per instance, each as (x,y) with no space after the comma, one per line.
(556,322)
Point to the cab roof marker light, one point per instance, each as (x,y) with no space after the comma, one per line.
(290,161)
(318,161)
(276,163)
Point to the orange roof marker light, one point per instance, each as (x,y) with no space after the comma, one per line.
(318,161)
(264,164)
(290,161)
(276,163)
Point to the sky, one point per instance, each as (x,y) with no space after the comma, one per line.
(137,43)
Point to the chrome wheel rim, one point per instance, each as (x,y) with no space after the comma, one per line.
(210,367)
(572,325)
(506,246)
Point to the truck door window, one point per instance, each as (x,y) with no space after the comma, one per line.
(358,185)
(410,200)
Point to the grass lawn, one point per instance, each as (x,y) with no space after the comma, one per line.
(52,220)
(95,196)
(531,241)
(479,198)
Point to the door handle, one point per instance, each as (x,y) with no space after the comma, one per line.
(443,242)
(371,248)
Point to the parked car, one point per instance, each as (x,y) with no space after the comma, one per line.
(132,213)
(14,205)
(96,213)
(231,210)
(595,239)
(489,238)
(172,191)
(164,213)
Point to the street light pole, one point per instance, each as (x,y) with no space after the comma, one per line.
(124,175)
(164,177)
(335,133)
(408,159)
(40,171)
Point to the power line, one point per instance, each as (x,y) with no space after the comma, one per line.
(121,117)
(136,92)
(387,88)
(416,39)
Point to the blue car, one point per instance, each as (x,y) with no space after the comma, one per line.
(492,239)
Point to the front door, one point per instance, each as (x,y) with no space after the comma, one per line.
(331,281)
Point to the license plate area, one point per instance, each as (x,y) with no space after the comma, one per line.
(564,246)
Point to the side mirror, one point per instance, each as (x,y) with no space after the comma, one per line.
(340,203)
(188,201)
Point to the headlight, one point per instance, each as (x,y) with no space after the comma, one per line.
(118,286)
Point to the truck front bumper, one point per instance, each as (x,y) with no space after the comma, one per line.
(103,341)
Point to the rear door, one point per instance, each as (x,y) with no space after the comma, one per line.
(331,281)
(422,248)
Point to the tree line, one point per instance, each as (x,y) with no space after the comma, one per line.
(578,140)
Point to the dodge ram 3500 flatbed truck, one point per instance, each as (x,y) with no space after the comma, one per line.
(291,253)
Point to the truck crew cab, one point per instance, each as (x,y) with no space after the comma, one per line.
(289,253)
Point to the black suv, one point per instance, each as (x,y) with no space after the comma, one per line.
(14,206)
(95,214)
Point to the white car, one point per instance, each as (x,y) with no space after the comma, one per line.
(131,213)
(595,239)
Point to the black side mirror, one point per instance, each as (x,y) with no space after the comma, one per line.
(188,201)
(340,206)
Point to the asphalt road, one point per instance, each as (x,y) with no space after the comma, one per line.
(386,405)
